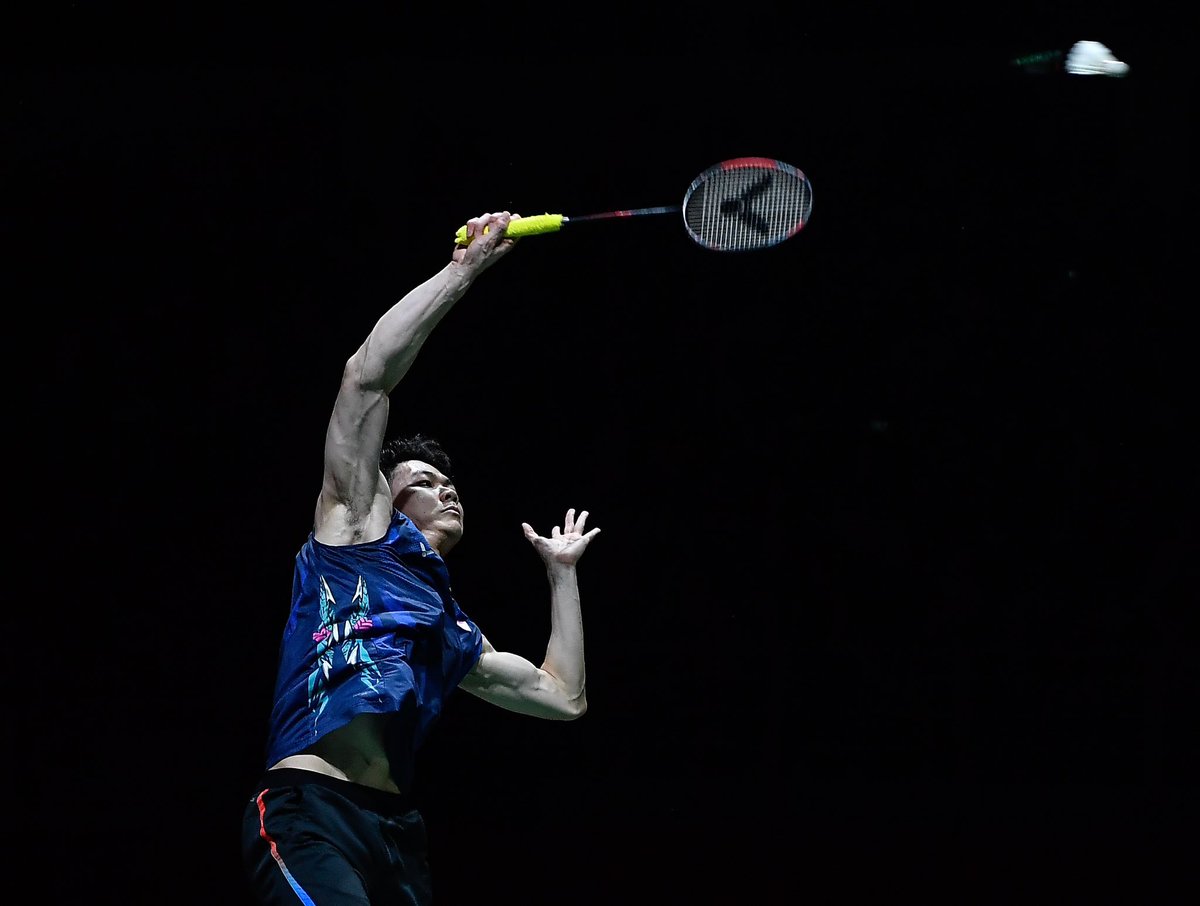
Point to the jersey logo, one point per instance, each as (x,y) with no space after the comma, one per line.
(338,644)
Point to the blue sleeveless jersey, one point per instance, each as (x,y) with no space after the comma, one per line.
(374,629)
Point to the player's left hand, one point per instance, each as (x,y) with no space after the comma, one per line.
(565,545)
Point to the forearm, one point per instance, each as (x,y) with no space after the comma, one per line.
(393,343)
(556,690)
(564,652)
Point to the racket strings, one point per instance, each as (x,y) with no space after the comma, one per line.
(747,207)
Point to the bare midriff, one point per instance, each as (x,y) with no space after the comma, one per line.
(353,752)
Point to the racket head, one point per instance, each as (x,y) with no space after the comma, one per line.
(747,203)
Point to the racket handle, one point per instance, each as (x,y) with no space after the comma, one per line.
(523,226)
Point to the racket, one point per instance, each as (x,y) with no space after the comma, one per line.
(734,206)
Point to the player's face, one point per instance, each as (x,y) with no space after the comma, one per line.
(429,499)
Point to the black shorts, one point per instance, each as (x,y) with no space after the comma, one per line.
(312,839)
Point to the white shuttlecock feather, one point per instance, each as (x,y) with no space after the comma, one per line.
(1093,58)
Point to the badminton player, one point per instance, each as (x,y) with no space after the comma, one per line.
(375,642)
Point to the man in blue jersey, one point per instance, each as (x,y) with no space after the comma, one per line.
(375,641)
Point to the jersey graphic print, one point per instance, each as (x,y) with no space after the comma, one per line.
(338,641)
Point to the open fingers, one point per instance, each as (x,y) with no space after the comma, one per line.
(572,525)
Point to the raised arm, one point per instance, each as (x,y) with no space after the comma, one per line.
(556,690)
(355,503)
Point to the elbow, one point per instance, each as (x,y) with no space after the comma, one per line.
(362,373)
(577,707)
(559,700)
(354,372)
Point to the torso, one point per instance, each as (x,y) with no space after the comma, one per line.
(354,752)
(357,612)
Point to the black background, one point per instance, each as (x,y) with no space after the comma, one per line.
(897,516)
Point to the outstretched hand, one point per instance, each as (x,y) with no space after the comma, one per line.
(486,241)
(565,545)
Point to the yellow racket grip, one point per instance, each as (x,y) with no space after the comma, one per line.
(522,226)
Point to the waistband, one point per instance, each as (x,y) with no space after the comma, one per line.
(365,796)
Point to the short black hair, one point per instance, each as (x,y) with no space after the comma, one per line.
(414,446)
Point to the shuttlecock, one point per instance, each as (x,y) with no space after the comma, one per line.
(1093,58)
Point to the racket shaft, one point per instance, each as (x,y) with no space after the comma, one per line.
(632,212)
(522,226)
